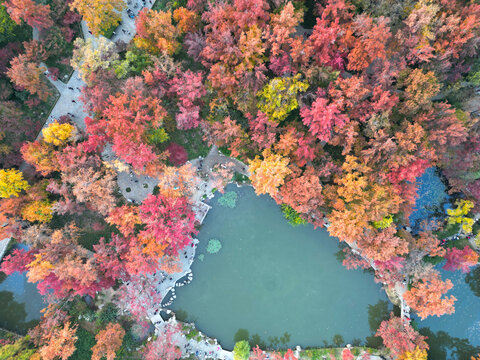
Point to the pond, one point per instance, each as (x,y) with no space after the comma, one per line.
(278,284)
(456,336)
(20,302)
(431,200)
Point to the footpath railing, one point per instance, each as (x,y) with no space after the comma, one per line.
(14,334)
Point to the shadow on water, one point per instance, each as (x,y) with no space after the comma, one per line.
(274,342)
(446,347)
(376,314)
(181,315)
(13,314)
(473,280)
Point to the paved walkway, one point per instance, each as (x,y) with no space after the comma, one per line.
(3,247)
(203,349)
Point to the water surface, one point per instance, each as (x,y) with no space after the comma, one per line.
(20,302)
(270,278)
(456,336)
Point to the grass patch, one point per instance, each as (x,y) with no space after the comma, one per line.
(448,231)
(65,71)
(191,140)
(434,260)
(109,32)
(164,5)
(83,345)
(89,238)
(240,178)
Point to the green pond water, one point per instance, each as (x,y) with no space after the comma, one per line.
(270,278)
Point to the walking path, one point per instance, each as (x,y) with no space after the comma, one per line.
(3,247)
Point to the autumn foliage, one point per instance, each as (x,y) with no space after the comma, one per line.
(109,341)
(337,108)
(399,336)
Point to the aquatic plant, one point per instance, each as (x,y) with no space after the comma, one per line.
(201,257)
(229,199)
(214,246)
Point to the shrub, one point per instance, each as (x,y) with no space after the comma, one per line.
(107,314)
(20,350)
(292,216)
(241,351)
(177,154)
(83,345)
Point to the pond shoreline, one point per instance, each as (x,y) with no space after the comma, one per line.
(204,190)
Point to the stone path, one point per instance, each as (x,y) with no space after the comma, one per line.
(201,349)
(3,247)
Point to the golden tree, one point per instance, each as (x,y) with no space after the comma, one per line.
(58,134)
(93,54)
(156,33)
(417,354)
(11,183)
(39,210)
(99,15)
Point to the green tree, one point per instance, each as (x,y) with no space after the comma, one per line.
(19,350)
(241,351)
(7,25)
(292,216)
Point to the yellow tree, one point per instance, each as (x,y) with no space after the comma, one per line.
(39,210)
(417,354)
(58,134)
(458,215)
(99,15)
(269,174)
(11,183)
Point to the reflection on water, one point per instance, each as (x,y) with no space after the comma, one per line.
(456,336)
(443,346)
(473,280)
(431,195)
(281,284)
(376,314)
(20,302)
